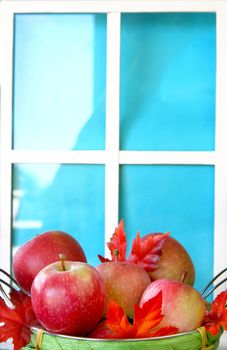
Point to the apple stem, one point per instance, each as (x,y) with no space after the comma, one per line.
(62,260)
(183,276)
(116,253)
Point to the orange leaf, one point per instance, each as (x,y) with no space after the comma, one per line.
(117,245)
(146,251)
(118,322)
(217,315)
(16,322)
(145,322)
(148,317)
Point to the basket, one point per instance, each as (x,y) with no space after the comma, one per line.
(196,340)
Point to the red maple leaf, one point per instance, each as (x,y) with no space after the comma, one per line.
(216,317)
(117,245)
(16,322)
(145,322)
(146,251)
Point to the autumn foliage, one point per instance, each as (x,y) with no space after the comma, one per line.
(16,322)
(216,317)
(144,252)
(145,323)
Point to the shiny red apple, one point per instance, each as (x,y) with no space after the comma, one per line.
(68,300)
(41,251)
(174,262)
(124,283)
(182,305)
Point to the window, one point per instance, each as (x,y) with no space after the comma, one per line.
(115,110)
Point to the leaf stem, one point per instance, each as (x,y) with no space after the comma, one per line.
(116,253)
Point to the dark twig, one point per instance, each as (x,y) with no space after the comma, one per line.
(6,298)
(10,277)
(215,287)
(205,293)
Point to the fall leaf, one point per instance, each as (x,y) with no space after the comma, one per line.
(216,317)
(15,323)
(145,322)
(146,251)
(117,245)
(118,321)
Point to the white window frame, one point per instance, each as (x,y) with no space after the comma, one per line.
(112,157)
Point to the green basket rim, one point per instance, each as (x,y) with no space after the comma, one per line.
(36,329)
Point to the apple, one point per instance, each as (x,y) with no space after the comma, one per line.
(68,298)
(174,262)
(182,305)
(124,283)
(101,331)
(42,250)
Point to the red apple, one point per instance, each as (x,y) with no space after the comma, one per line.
(124,283)
(68,300)
(174,262)
(41,251)
(101,331)
(182,305)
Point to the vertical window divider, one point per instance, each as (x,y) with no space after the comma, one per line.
(6,67)
(220,229)
(112,124)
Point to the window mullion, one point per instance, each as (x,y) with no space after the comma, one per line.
(168,157)
(90,6)
(112,123)
(6,67)
(58,156)
(220,236)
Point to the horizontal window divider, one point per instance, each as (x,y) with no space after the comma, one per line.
(168,157)
(88,6)
(58,156)
(125,157)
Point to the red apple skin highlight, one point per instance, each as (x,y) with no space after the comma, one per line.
(173,262)
(124,283)
(68,302)
(41,251)
(182,305)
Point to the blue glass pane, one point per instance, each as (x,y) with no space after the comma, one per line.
(60,197)
(59,81)
(168,72)
(175,199)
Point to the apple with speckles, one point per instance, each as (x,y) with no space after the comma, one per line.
(174,262)
(68,297)
(125,283)
(182,305)
(41,251)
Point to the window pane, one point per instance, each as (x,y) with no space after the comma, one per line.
(59,81)
(175,199)
(168,68)
(69,198)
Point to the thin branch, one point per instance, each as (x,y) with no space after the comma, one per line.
(212,281)
(215,287)
(6,297)
(10,277)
